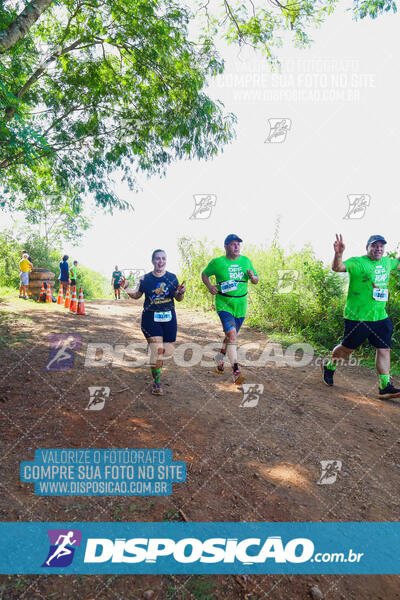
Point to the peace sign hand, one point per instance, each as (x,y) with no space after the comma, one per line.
(338,245)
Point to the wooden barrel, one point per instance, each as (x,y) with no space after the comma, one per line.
(36,278)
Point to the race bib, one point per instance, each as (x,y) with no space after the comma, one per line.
(228,286)
(163,317)
(380,294)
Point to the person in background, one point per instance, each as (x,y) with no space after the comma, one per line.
(25,266)
(73,273)
(115,277)
(21,287)
(64,273)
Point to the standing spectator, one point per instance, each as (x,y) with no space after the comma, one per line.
(64,273)
(21,287)
(73,273)
(24,266)
(116,276)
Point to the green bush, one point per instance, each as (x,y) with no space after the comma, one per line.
(94,284)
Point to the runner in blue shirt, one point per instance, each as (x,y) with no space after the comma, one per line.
(159,324)
(64,273)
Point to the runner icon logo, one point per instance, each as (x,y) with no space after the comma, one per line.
(98,397)
(63,543)
(203,205)
(251,394)
(278,129)
(330,470)
(62,351)
(286,280)
(358,204)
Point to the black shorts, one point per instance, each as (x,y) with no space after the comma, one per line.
(166,330)
(379,333)
(116,286)
(73,282)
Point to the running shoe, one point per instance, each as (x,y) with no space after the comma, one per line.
(157,389)
(220,363)
(389,391)
(238,377)
(327,374)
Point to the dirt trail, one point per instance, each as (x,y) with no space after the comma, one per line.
(244,464)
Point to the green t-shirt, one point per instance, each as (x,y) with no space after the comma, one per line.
(368,287)
(73,273)
(116,276)
(230,274)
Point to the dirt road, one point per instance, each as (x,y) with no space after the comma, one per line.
(259,463)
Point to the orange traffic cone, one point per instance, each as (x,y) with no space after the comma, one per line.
(72,307)
(67,299)
(42,293)
(60,299)
(81,304)
(48,294)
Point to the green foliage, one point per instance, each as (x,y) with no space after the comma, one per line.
(307,302)
(393,305)
(372,8)
(311,311)
(110,86)
(94,284)
(265,25)
(10,255)
(195,255)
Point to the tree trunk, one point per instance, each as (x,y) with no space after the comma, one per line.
(19,28)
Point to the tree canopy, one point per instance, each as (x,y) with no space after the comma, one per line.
(96,87)
(88,88)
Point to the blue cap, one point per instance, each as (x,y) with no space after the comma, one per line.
(376,238)
(229,238)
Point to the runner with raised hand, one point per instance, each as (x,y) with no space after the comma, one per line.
(232,273)
(159,324)
(365,313)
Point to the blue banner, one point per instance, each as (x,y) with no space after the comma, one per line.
(200,548)
(101,472)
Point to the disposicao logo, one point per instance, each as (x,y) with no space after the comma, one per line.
(62,547)
(190,550)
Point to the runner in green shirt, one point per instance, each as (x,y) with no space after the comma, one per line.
(73,273)
(115,277)
(365,313)
(232,272)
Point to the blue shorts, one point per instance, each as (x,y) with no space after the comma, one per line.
(151,328)
(229,321)
(379,333)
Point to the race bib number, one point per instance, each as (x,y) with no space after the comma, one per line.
(380,294)
(163,317)
(228,286)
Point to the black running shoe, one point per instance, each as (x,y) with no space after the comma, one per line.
(389,391)
(327,374)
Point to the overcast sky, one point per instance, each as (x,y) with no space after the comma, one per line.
(339,103)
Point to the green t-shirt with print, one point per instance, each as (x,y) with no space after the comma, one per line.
(368,287)
(116,276)
(231,279)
